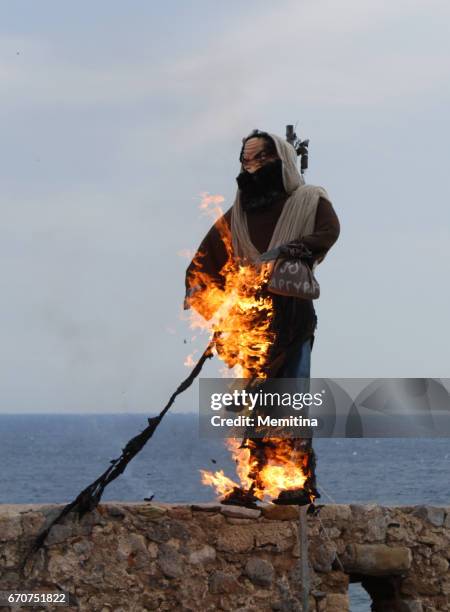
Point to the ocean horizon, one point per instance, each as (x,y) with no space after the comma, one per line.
(49,457)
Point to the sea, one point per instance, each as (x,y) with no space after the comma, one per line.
(50,458)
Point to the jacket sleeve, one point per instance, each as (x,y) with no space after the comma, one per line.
(205,268)
(326,230)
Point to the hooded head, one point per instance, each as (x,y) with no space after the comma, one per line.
(268,170)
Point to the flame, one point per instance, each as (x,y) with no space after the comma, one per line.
(236,313)
(190,361)
(280,471)
(240,317)
(207,200)
(222,484)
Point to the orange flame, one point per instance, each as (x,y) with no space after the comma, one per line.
(190,361)
(240,317)
(280,472)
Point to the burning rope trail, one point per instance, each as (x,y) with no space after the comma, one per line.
(90,497)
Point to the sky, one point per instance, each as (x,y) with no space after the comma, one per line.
(116,116)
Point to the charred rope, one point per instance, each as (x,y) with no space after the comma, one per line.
(90,497)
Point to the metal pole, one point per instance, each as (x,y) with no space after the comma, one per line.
(304,566)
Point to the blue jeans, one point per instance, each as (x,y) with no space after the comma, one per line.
(299,365)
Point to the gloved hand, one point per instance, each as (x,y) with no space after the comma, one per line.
(296,250)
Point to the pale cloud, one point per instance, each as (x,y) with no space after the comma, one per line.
(315,51)
(314,56)
(37,76)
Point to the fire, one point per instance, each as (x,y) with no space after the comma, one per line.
(239,316)
(190,361)
(278,470)
(222,484)
(208,199)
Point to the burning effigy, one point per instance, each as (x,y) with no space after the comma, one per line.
(239,313)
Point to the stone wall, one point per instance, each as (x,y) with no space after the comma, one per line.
(143,556)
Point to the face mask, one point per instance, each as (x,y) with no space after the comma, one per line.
(259,189)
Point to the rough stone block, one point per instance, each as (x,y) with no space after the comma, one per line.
(114,510)
(9,555)
(132,548)
(158,531)
(59,533)
(32,523)
(238,521)
(9,580)
(235,539)
(170,561)
(180,512)
(63,565)
(430,539)
(10,527)
(335,512)
(337,602)
(440,564)
(207,507)
(334,582)
(420,584)
(259,571)
(322,556)
(274,512)
(277,537)
(377,559)
(179,529)
(150,512)
(240,512)
(432,514)
(222,582)
(376,528)
(206,554)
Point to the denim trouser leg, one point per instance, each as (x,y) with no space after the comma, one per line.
(299,366)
